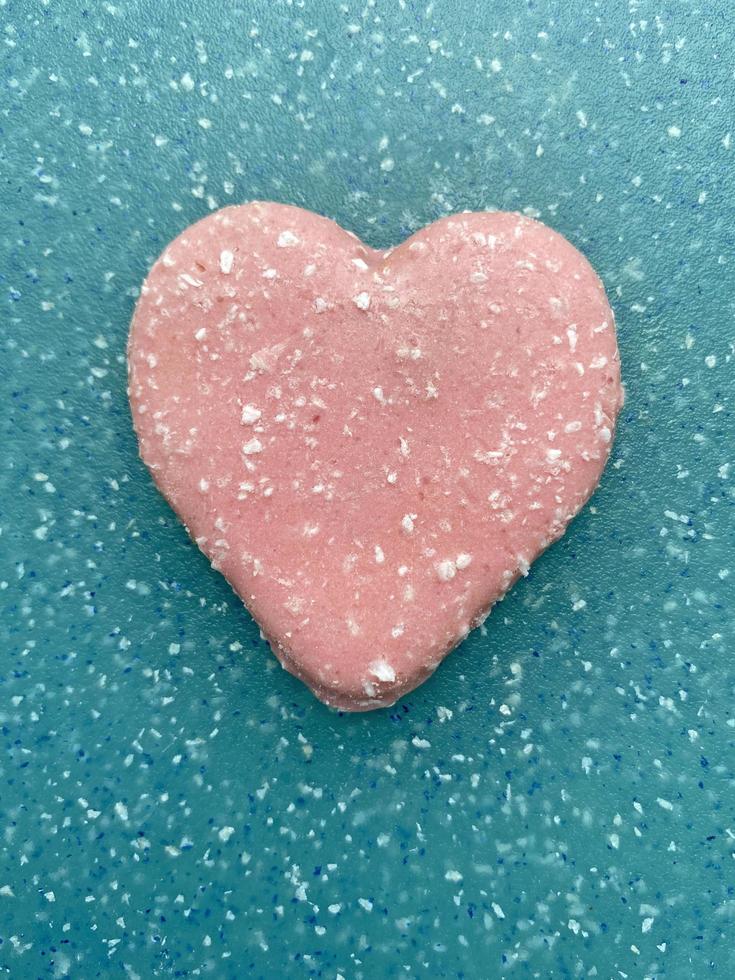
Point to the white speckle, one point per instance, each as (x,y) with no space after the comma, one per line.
(453,875)
(387,164)
(646,924)
(674,132)
(582,118)
(572,426)
(225,834)
(383,671)
(287,239)
(523,564)
(498,910)
(366,904)
(710,360)
(6,891)
(397,631)
(226,258)
(420,743)
(664,804)
(446,570)
(269,273)
(605,434)
(496,65)
(266,358)
(444,714)
(187,82)
(727,140)
(201,333)
(379,555)
(190,280)
(407,523)
(85,129)
(254,446)
(412,353)
(378,395)
(614,841)
(463,560)
(250,415)
(320,305)
(205,123)
(362,301)
(405,449)
(360,264)
(121,810)
(392,477)
(553,454)
(204,485)
(572,335)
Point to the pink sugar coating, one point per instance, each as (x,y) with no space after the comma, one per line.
(372,446)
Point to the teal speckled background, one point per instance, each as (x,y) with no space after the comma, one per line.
(171,802)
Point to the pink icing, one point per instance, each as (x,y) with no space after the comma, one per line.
(372,446)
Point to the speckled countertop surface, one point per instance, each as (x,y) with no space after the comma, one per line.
(558,800)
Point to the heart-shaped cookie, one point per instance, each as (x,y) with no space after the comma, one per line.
(372,446)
